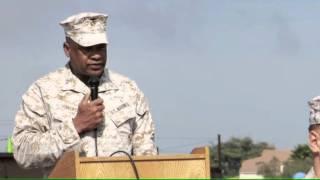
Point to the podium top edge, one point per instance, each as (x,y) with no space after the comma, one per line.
(144,158)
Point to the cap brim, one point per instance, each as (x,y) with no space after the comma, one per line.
(88,39)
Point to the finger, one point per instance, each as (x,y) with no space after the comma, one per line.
(98,116)
(86,98)
(97,101)
(100,108)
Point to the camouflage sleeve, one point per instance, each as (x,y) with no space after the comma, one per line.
(143,138)
(314,105)
(36,144)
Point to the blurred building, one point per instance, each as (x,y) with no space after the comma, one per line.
(249,168)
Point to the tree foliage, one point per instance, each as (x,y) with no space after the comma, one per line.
(300,161)
(302,152)
(234,151)
(271,168)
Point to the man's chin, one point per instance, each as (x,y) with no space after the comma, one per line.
(95,73)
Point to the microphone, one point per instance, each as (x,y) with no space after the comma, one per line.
(93,84)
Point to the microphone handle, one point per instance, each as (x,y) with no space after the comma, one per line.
(93,84)
(94,93)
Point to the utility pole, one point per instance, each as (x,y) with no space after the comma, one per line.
(219,154)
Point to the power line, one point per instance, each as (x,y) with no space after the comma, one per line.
(187,138)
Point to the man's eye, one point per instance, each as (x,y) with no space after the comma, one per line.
(86,49)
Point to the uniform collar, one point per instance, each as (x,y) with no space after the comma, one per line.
(73,83)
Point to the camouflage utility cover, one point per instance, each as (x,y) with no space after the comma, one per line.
(44,128)
(314,105)
(86,29)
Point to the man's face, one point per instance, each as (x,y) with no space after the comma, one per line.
(86,61)
(314,139)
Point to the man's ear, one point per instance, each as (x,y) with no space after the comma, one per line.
(66,48)
(314,141)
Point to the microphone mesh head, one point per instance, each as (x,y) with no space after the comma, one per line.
(93,81)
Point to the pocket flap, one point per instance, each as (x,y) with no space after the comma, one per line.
(122,113)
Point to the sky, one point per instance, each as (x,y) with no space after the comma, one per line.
(236,68)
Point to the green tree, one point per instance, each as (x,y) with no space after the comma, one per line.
(302,151)
(234,151)
(270,169)
(299,161)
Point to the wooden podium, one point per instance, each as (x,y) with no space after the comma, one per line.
(194,165)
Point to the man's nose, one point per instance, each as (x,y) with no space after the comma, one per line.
(96,54)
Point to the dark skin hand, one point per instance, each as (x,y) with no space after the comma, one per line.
(89,115)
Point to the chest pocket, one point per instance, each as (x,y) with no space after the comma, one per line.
(123,118)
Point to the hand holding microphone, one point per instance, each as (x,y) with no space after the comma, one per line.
(90,110)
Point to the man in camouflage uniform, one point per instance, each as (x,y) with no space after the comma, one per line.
(57,114)
(314,137)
